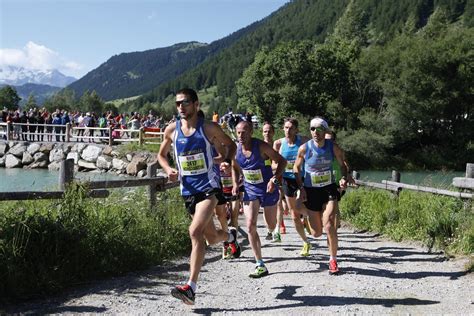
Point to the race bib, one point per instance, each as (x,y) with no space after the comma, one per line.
(193,164)
(226,182)
(321,179)
(253,176)
(289,166)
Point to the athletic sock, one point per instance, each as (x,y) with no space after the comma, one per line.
(193,285)
(230,237)
(260,263)
(332,258)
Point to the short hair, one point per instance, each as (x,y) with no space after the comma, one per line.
(292,120)
(200,113)
(189,92)
(271,126)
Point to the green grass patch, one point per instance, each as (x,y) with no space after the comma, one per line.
(440,222)
(46,246)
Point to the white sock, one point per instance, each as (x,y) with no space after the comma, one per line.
(230,238)
(193,285)
(332,258)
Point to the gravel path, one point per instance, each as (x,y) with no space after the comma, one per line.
(377,277)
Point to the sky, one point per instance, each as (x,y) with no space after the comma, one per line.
(77,36)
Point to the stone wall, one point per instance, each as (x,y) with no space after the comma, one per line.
(87,157)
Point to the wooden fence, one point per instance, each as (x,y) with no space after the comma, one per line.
(394,185)
(70,133)
(97,189)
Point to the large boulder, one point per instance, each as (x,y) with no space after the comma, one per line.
(138,163)
(40,157)
(104,162)
(12,161)
(46,148)
(86,165)
(119,164)
(33,148)
(56,155)
(74,155)
(54,166)
(27,158)
(2,161)
(78,148)
(107,150)
(38,164)
(18,150)
(91,153)
(3,149)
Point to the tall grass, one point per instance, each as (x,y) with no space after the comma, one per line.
(48,245)
(441,222)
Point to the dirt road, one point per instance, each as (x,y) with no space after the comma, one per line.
(377,276)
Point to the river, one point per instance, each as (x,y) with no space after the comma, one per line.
(42,179)
(13,180)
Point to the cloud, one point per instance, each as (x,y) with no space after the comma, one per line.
(151,16)
(36,56)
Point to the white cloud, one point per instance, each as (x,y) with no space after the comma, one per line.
(36,56)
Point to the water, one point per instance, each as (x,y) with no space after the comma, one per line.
(13,180)
(437,179)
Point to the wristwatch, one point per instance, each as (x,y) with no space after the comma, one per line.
(275,181)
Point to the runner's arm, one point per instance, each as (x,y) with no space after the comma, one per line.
(162,156)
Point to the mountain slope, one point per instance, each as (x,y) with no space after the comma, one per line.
(17,76)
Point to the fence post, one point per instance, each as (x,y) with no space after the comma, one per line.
(140,136)
(151,173)
(355,175)
(111,139)
(66,173)
(396,176)
(68,132)
(9,131)
(470,170)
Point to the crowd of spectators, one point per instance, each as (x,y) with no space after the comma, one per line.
(42,125)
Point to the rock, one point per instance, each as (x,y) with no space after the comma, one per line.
(119,164)
(141,173)
(46,148)
(38,164)
(27,158)
(2,161)
(86,164)
(138,163)
(129,157)
(33,148)
(91,153)
(74,155)
(12,161)
(54,166)
(107,150)
(78,148)
(3,149)
(104,162)
(41,157)
(18,150)
(56,155)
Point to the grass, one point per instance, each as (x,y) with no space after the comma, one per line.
(46,246)
(440,222)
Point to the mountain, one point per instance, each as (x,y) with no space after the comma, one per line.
(17,76)
(135,73)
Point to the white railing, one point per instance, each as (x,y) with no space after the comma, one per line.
(68,133)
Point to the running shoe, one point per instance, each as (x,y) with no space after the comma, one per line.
(276,237)
(236,250)
(260,271)
(333,269)
(225,250)
(184,293)
(269,236)
(305,251)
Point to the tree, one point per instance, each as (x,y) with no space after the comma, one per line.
(9,98)
(31,102)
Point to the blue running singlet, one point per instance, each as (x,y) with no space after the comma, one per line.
(194,158)
(318,164)
(290,153)
(256,172)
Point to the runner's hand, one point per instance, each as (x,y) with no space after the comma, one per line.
(172,175)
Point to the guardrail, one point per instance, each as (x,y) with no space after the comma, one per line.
(97,189)
(462,183)
(70,133)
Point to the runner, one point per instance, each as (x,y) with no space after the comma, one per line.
(268,131)
(260,186)
(318,191)
(198,172)
(288,148)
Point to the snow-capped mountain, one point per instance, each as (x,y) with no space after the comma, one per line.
(18,76)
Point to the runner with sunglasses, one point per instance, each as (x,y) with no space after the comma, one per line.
(194,140)
(318,191)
